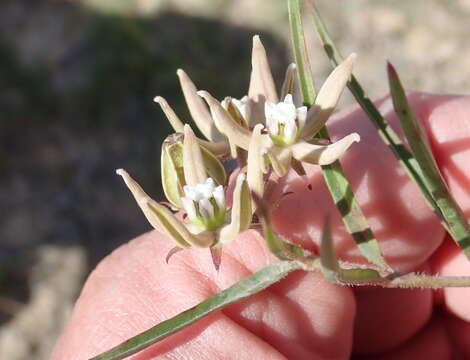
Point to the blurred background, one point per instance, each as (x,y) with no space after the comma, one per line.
(77,79)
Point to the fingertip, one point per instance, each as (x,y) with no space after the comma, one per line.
(456,300)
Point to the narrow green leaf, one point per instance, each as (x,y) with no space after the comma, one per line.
(300,52)
(385,131)
(241,290)
(453,216)
(334,176)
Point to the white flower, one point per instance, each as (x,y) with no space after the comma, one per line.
(205,204)
(284,121)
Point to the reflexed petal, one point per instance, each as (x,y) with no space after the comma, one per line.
(328,97)
(174,120)
(261,80)
(238,109)
(139,195)
(256,162)
(280,158)
(235,133)
(193,165)
(163,219)
(323,154)
(241,212)
(176,229)
(197,108)
(219,148)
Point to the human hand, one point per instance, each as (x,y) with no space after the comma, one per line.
(303,316)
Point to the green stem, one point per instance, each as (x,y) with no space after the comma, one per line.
(335,178)
(241,290)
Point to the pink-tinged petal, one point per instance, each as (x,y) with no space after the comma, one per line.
(261,82)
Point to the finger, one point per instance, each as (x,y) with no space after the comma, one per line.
(432,343)
(446,119)
(449,260)
(133,289)
(386,318)
(408,231)
(459,334)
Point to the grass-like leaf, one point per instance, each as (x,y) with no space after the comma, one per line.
(454,218)
(304,71)
(241,290)
(336,181)
(386,133)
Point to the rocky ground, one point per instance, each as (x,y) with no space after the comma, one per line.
(77,81)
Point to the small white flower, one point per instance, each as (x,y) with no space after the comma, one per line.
(284,121)
(205,204)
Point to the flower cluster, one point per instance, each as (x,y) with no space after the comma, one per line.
(259,131)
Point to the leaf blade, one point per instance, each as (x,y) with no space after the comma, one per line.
(453,217)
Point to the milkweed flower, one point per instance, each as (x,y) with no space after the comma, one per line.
(289,130)
(206,220)
(261,130)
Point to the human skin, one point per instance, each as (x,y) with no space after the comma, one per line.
(303,316)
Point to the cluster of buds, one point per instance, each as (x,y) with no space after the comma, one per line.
(259,131)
